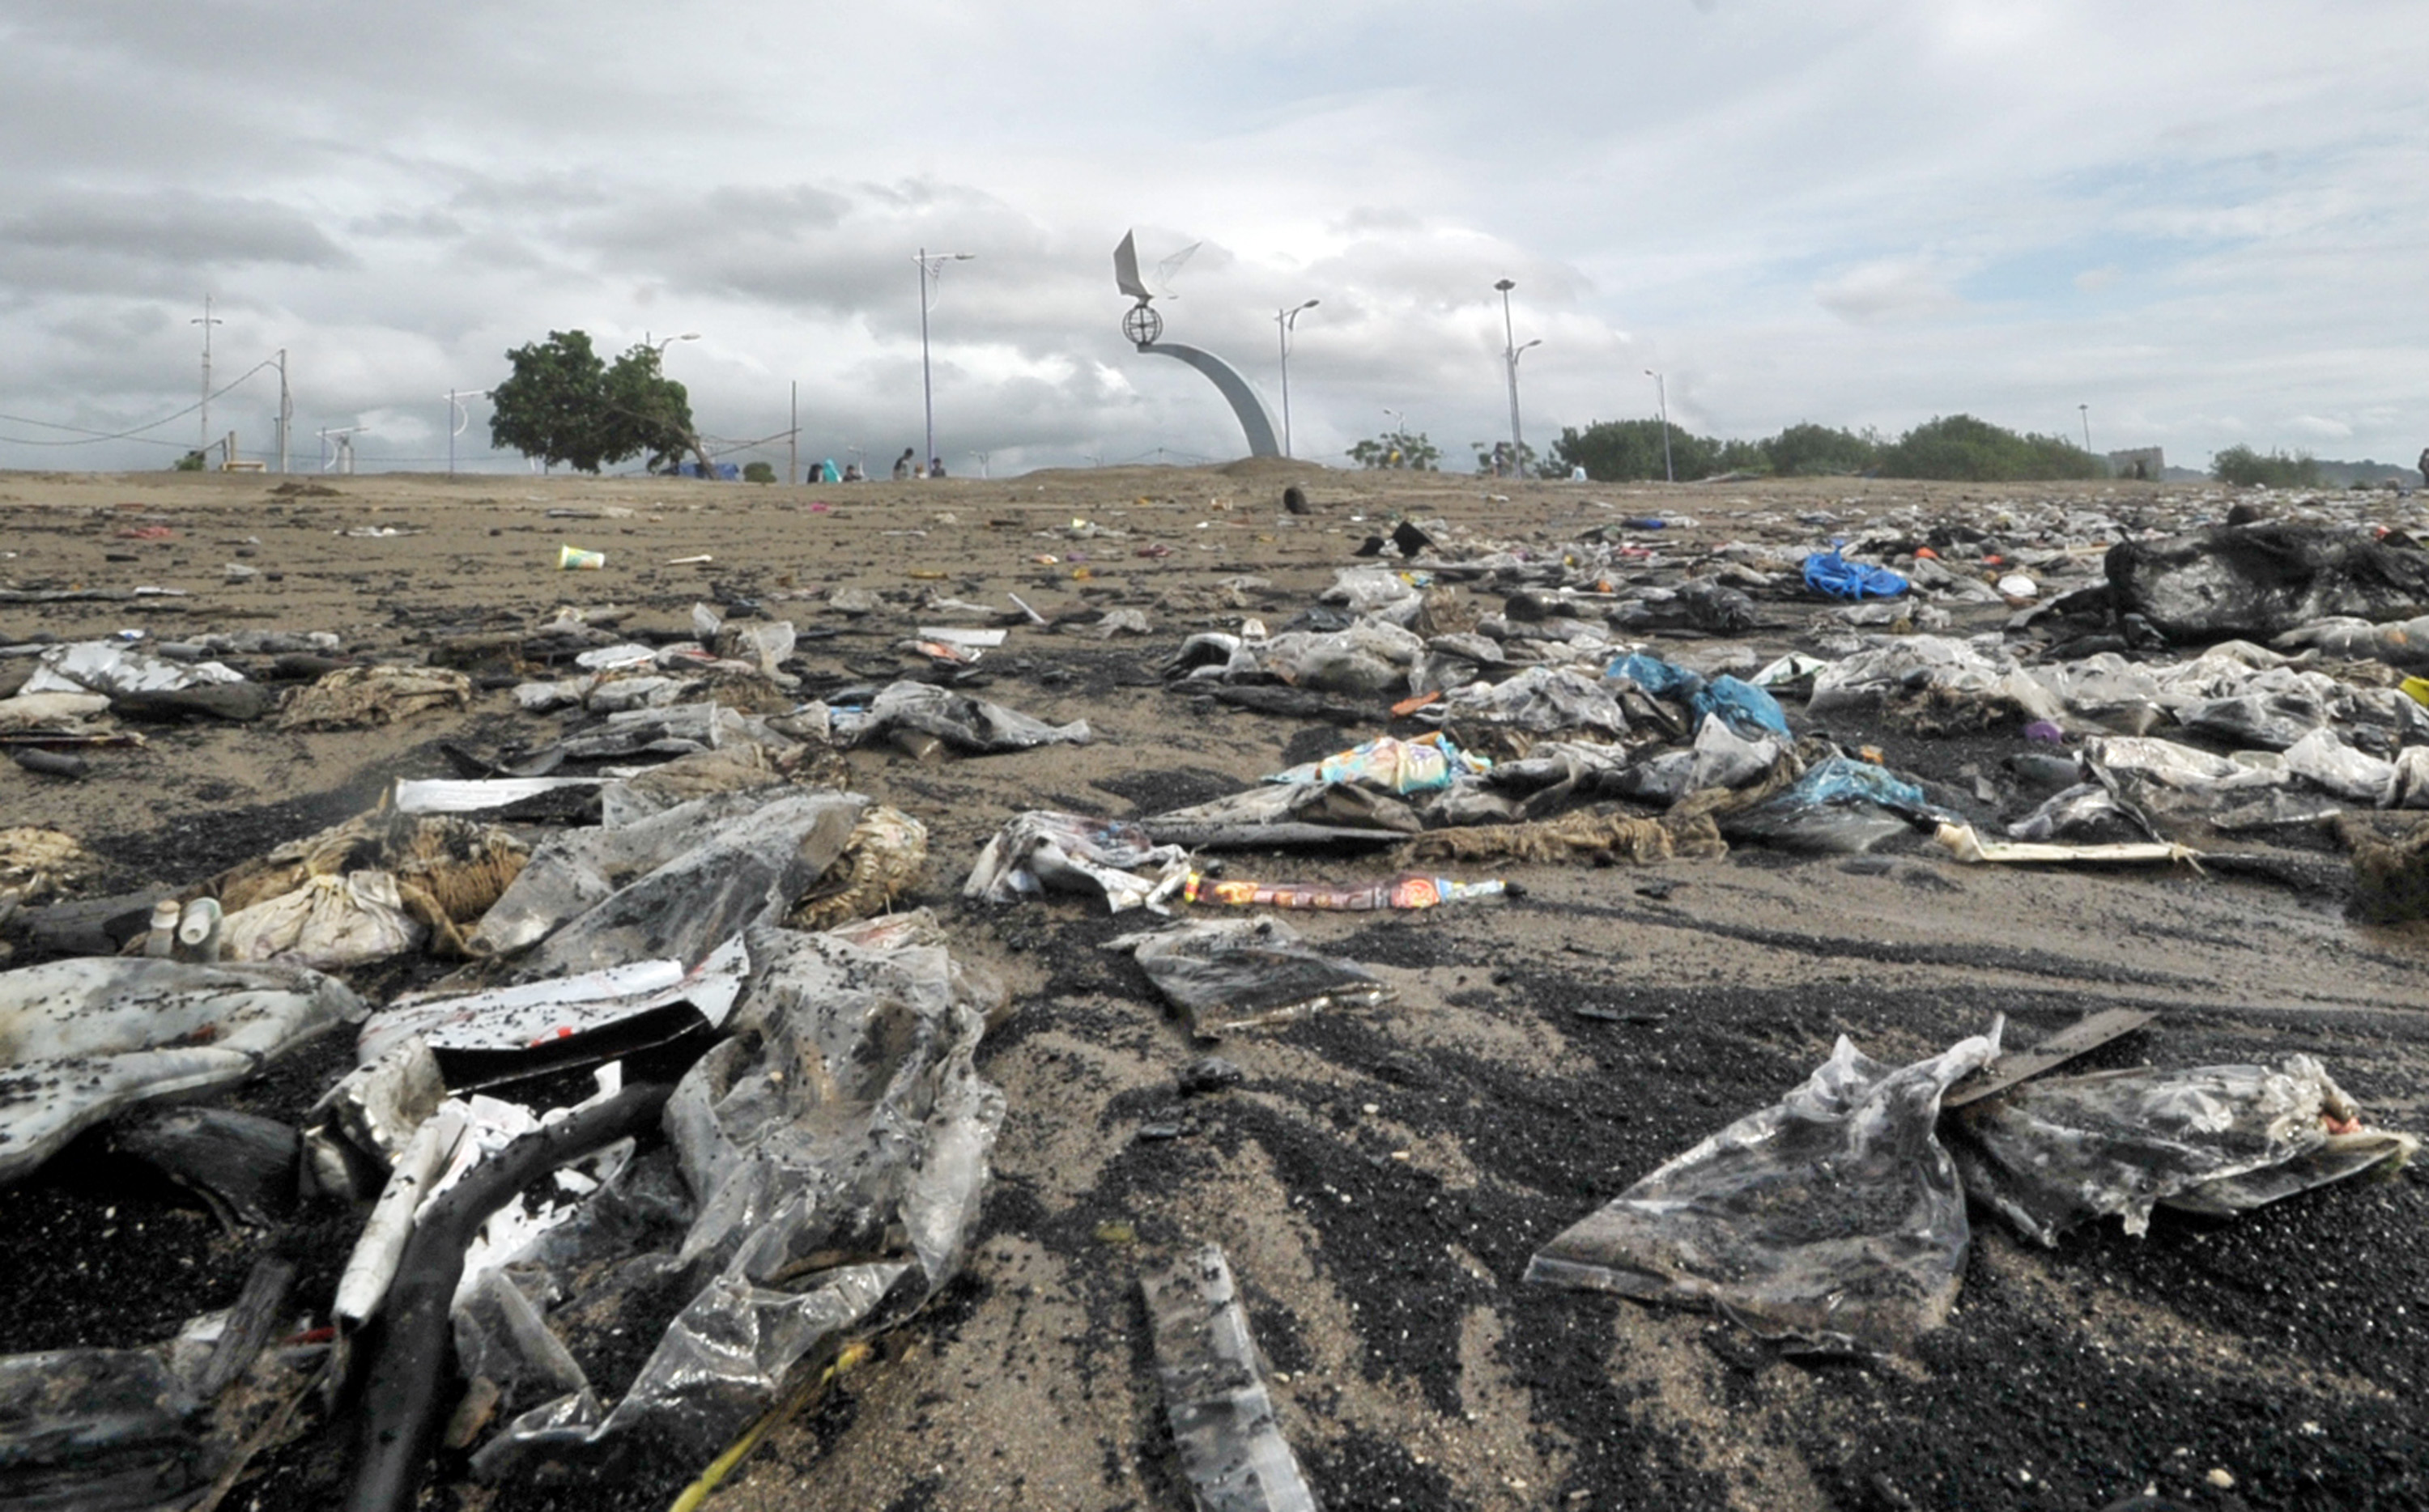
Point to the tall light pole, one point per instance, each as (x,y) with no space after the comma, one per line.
(1661,387)
(932,266)
(1509,350)
(2086,410)
(660,345)
(1285,322)
(285,410)
(206,321)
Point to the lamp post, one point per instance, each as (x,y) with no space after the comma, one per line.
(931,266)
(1661,388)
(660,345)
(1286,322)
(2086,411)
(206,321)
(1510,351)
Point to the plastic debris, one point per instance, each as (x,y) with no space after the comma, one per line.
(1828,572)
(2061,1151)
(88,1037)
(1042,850)
(1229,975)
(2264,579)
(1426,765)
(835,1154)
(969,725)
(1834,1217)
(1222,1421)
(1409,889)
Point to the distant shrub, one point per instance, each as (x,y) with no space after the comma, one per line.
(1964,448)
(2243,467)
(758,473)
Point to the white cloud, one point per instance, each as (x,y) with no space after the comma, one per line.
(1855,211)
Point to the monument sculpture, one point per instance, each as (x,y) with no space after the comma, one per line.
(1144,328)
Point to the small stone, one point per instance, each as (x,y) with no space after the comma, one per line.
(2221,1479)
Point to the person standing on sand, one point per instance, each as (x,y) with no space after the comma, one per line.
(935,466)
(902,465)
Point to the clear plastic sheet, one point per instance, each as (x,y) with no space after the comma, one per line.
(2067,1150)
(837,1151)
(673,885)
(1223,1423)
(1229,975)
(1834,1217)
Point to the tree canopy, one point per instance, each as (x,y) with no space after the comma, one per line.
(564,405)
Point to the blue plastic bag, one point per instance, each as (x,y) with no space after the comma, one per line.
(1829,573)
(1747,710)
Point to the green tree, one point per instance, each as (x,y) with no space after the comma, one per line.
(758,473)
(1397,449)
(2243,466)
(1809,450)
(1630,451)
(1959,447)
(564,405)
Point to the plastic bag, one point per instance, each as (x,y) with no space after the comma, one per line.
(1075,852)
(1229,975)
(1834,1217)
(327,923)
(1369,659)
(676,885)
(2066,1150)
(971,725)
(1840,805)
(1540,699)
(1828,572)
(837,1154)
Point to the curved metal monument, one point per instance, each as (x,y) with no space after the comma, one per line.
(1141,325)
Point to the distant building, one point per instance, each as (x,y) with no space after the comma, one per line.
(2149,462)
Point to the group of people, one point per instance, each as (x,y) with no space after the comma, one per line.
(906,468)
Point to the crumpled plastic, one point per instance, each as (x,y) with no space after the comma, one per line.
(1750,709)
(971,725)
(1544,700)
(356,696)
(2264,579)
(2061,1151)
(1283,812)
(1400,767)
(1839,805)
(1828,572)
(88,1036)
(1834,1217)
(833,1157)
(1229,975)
(1914,663)
(102,666)
(673,885)
(1075,852)
(327,922)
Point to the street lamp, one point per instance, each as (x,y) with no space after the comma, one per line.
(1661,387)
(1286,322)
(1510,351)
(2086,410)
(660,345)
(932,265)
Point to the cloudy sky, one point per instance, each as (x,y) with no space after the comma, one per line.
(2206,220)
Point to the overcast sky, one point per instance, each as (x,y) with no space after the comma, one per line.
(2206,220)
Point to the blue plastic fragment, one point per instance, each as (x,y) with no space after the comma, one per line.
(1830,573)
